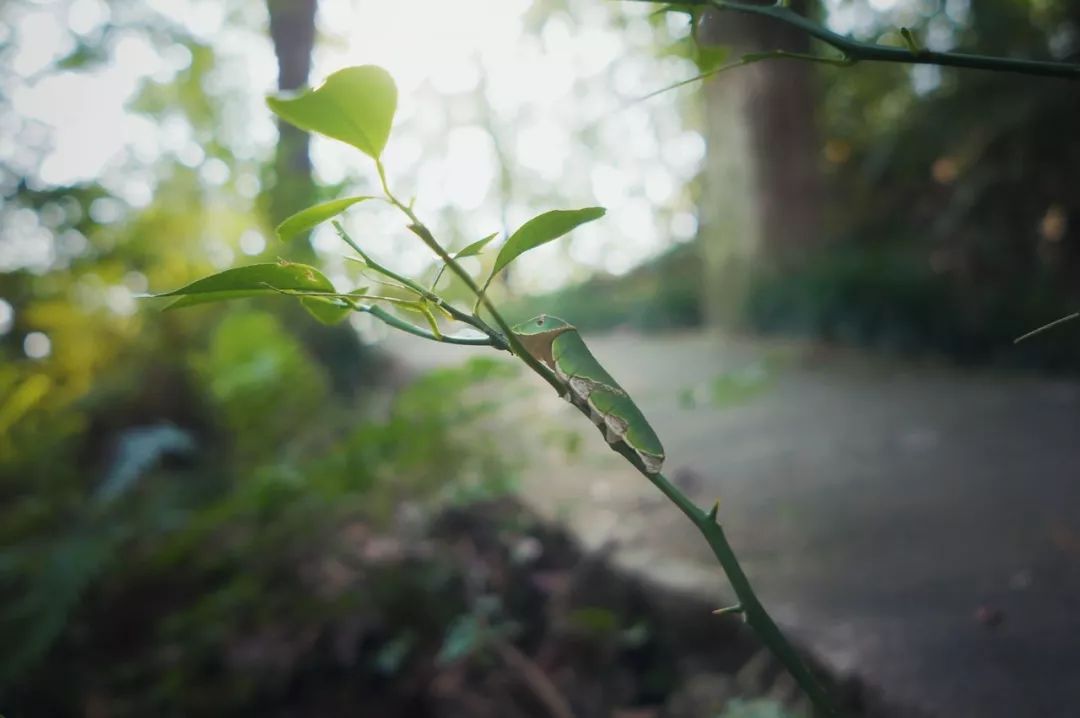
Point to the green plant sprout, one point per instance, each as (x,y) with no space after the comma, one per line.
(356,105)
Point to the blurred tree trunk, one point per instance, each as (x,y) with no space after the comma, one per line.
(763,187)
(292,29)
(292,187)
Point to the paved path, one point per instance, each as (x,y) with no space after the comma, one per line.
(876,505)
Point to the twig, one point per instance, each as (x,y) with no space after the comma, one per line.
(398,323)
(752,610)
(420,230)
(748,59)
(497,340)
(351,301)
(1046,327)
(537,681)
(857,51)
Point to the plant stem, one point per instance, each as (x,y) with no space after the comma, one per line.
(855,50)
(420,230)
(749,605)
(410,328)
(753,611)
(497,340)
(1047,327)
(749,59)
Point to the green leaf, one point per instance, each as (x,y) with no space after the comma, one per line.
(255,280)
(329,309)
(393,654)
(423,308)
(308,218)
(470,251)
(326,311)
(355,105)
(541,230)
(461,639)
(476,247)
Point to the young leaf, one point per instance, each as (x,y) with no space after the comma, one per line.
(461,638)
(312,216)
(423,308)
(355,105)
(331,310)
(328,308)
(470,251)
(541,230)
(476,247)
(327,311)
(255,280)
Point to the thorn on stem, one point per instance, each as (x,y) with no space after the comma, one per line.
(910,41)
(737,608)
(714,510)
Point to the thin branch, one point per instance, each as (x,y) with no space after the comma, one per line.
(398,323)
(496,339)
(538,682)
(420,230)
(747,59)
(753,611)
(749,604)
(1047,327)
(856,51)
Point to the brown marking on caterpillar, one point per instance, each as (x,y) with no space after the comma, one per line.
(541,344)
(651,462)
(615,428)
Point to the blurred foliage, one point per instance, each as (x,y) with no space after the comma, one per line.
(663,294)
(213,545)
(887,299)
(736,386)
(759,708)
(953,214)
(181,494)
(172,483)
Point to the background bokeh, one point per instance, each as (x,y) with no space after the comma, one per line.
(181,493)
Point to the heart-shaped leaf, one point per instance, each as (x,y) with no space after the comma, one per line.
(355,105)
(541,230)
(308,218)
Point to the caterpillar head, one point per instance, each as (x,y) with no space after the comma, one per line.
(542,325)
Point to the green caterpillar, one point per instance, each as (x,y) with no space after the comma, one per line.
(590,388)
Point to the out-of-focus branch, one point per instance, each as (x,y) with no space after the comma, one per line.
(853,51)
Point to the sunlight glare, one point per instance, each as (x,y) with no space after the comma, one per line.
(36,345)
(41,40)
(7,316)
